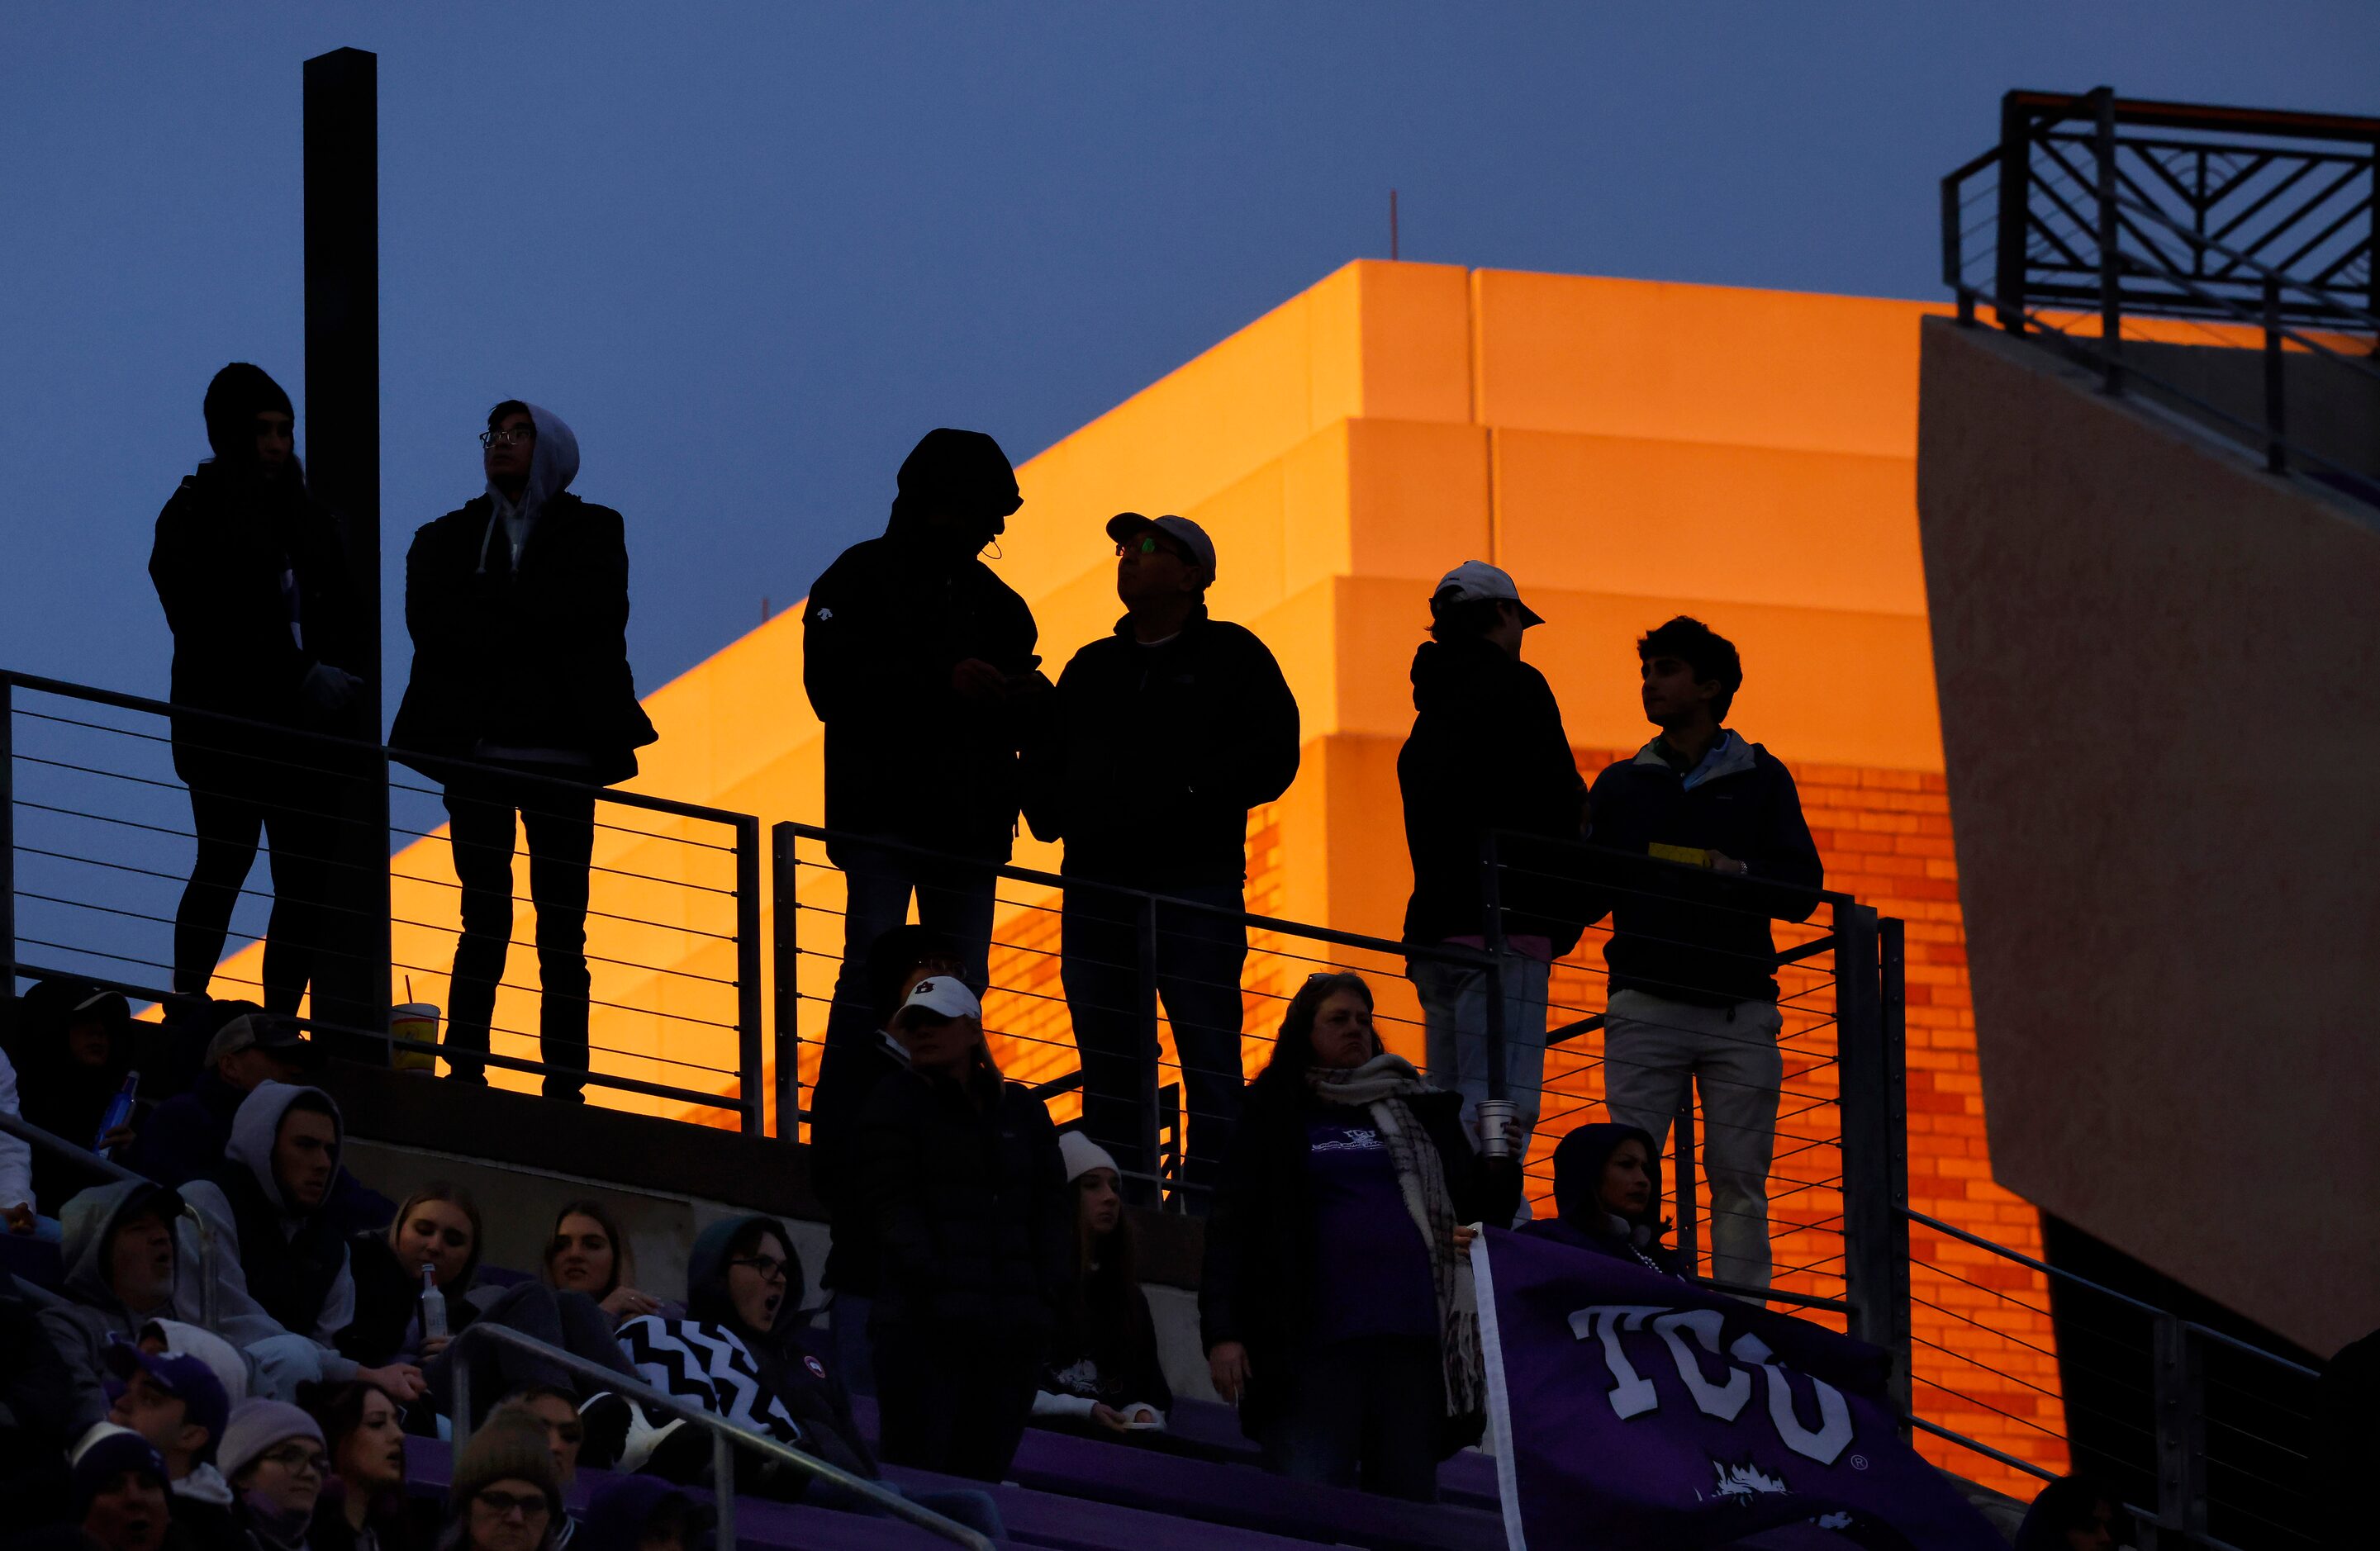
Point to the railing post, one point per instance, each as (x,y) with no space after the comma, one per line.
(2014,222)
(1875,1182)
(2180,1428)
(784,919)
(1954,252)
(723,1489)
(8,834)
(461,1416)
(1491,935)
(1682,1147)
(2276,456)
(750,1046)
(2111,323)
(1145,1005)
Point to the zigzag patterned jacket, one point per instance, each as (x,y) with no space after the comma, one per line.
(708,1365)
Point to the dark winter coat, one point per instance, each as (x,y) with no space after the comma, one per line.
(794,1371)
(224,543)
(1105,1348)
(1487,752)
(533,658)
(974,1221)
(58,1093)
(1258,1282)
(906,755)
(848,1077)
(1692,936)
(1578,1190)
(1157,754)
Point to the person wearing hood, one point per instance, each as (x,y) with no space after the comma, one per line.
(1168,732)
(180,1403)
(1692,962)
(121,1258)
(71,1051)
(920,660)
(1486,752)
(975,1229)
(273,1455)
(1334,1299)
(282,1287)
(364,1505)
(117,1482)
(517,604)
(267,627)
(1608,1191)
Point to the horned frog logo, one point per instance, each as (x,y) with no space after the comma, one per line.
(1744,1480)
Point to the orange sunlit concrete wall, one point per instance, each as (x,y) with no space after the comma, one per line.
(1629,451)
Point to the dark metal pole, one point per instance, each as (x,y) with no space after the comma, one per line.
(751,1046)
(1145,1005)
(342,432)
(1954,256)
(785,920)
(1681,1161)
(1876,1229)
(2111,322)
(2276,457)
(2180,1396)
(2013,224)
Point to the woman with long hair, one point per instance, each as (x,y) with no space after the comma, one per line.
(1103,1376)
(364,1506)
(1608,1191)
(587,1252)
(1335,1302)
(960,1176)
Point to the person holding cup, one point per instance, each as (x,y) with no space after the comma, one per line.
(1335,1301)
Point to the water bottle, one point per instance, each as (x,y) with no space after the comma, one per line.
(119,1110)
(433,1307)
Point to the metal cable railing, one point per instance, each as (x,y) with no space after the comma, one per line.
(108,1168)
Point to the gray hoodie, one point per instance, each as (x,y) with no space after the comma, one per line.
(92,1315)
(551,468)
(238,1317)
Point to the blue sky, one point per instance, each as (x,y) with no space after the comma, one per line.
(750,252)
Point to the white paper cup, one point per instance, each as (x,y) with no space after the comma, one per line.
(414,1019)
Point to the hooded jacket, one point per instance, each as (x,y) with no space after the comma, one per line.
(523,655)
(1694,936)
(1486,752)
(1158,752)
(906,755)
(278,1270)
(811,1395)
(58,1093)
(91,1315)
(1582,1222)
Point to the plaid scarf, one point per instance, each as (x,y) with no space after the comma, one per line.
(1381,1086)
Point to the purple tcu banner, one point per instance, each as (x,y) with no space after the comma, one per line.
(1635,1412)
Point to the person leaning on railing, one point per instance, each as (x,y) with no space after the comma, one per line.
(1334,1302)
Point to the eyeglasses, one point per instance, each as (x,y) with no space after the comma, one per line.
(299,1457)
(1146,544)
(768,1267)
(503,1505)
(512,438)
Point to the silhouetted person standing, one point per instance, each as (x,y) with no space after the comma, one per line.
(254,581)
(917,659)
(1167,734)
(518,608)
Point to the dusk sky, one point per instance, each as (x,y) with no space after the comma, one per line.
(752,252)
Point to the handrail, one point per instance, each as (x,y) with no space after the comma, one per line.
(107,1168)
(726,1436)
(1681,871)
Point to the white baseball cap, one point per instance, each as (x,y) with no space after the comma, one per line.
(1476,581)
(1083,1155)
(945,995)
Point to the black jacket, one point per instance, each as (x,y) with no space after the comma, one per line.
(848,1075)
(1258,1283)
(388,1302)
(1486,752)
(291,1276)
(906,754)
(1584,1222)
(536,658)
(1105,1349)
(1691,935)
(224,542)
(1158,752)
(974,1222)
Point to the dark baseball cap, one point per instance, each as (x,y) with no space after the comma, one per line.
(262,1031)
(186,1377)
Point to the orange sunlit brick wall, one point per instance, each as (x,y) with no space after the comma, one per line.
(1629,451)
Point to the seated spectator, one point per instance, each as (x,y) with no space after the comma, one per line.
(505,1497)
(72,1051)
(556,1411)
(438,1231)
(896,961)
(36,1394)
(1608,1191)
(118,1485)
(639,1513)
(282,1289)
(364,1505)
(2075,1513)
(119,1253)
(17,1213)
(966,1194)
(186,1135)
(178,1404)
(1103,1374)
(1330,1303)
(588,1253)
(274,1455)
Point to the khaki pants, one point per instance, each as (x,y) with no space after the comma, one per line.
(1652,1049)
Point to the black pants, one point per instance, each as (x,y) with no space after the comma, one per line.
(1199,956)
(954,1401)
(1365,1412)
(233,797)
(561,830)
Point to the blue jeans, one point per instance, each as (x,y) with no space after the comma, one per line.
(1370,1413)
(1454,1028)
(1199,956)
